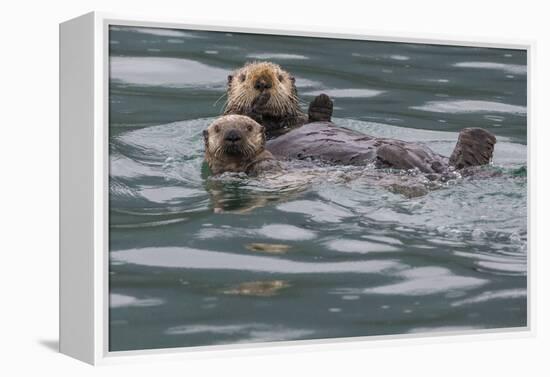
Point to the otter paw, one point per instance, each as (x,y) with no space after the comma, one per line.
(260,101)
(320,109)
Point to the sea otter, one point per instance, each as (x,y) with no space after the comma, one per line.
(266,93)
(324,141)
(236,143)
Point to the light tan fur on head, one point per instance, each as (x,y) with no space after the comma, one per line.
(233,143)
(248,82)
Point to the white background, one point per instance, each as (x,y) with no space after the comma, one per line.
(29,185)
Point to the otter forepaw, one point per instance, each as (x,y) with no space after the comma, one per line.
(259,102)
(320,109)
(257,107)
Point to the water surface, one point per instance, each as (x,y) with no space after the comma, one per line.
(325,251)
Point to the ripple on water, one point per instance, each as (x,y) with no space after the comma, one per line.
(286,232)
(506,267)
(150,224)
(508,68)
(345,93)
(384,239)
(495,118)
(316,210)
(470,106)
(124,167)
(443,329)
(350,297)
(492,295)
(246,333)
(177,140)
(399,57)
(184,257)
(362,247)
(169,72)
(426,281)
(402,133)
(168,194)
(123,301)
(263,288)
(268,56)
(274,231)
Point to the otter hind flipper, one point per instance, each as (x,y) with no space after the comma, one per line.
(474,147)
(320,109)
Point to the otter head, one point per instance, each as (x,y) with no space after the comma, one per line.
(232,141)
(264,79)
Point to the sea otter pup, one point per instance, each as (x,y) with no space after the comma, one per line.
(268,94)
(236,143)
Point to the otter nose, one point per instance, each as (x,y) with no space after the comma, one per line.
(262,84)
(233,136)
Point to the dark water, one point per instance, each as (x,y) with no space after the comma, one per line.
(321,252)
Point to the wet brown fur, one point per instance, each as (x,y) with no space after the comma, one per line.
(274,104)
(247,155)
(267,93)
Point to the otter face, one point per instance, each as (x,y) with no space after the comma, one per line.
(234,137)
(262,79)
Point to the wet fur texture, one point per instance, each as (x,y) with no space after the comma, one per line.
(475,147)
(266,93)
(247,154)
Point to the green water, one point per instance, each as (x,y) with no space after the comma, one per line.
(353,258)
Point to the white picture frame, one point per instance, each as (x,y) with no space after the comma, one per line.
(84,192)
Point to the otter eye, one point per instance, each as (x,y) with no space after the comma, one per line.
(249,128)
(217,128)
(242,77)
(281,78)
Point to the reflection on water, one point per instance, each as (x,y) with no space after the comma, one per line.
(466,106)
(216,260)
(317,251)
(168,72)
(509,68)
